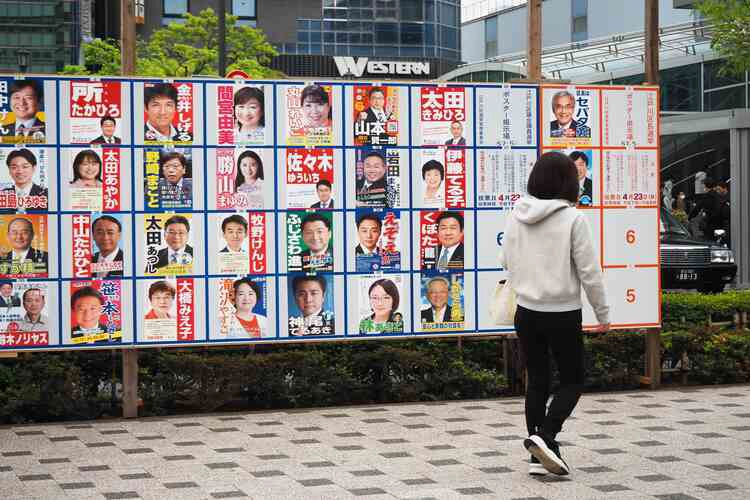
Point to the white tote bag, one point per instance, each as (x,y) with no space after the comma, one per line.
(503,304)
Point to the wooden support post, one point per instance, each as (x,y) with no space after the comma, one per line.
(651,43)
(127,68)
(534,43)
(127,37)
(652,359)
(130,383)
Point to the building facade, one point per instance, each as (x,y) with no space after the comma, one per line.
(308,34)
(39,36)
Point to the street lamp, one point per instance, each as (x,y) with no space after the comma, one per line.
(23,59)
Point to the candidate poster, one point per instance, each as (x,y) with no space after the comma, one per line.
(169,306)
(167,178)
(168,241)
(241,114)
(24,314)
(309,117)
(22,111)
(24,179)
(587,169)
(240,175)
(443,175)
(441,240)
(95,112)
(97,249)
(309,178)
(243,308)
(94,179)
(375,115)
(502,175)
(310,305)
(309,240)
(570,116)
(378,177)
(242,243)
(507,116)
(380,300)
(378,240)
(24,246)
(96,312)
(443,116)
(442,307)
(168,113)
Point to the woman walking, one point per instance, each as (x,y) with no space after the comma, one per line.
(549,255)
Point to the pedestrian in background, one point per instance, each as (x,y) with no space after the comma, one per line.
(549,254)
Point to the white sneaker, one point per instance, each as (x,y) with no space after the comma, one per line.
(549,456)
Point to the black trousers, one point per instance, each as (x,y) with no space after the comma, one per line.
(559,333)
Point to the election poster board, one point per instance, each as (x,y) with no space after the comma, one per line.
(145,212)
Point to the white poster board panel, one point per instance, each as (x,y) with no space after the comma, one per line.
(630,117)
(507,116)
(633,295)
(630,236)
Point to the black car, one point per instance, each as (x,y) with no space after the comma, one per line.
(688,262)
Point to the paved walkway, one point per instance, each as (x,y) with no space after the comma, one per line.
(671,444)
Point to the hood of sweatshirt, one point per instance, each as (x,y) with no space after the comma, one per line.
(530,210)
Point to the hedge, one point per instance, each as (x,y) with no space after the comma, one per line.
(57,386)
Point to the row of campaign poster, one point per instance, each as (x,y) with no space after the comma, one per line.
(117,113)
(157,179)
(97,312)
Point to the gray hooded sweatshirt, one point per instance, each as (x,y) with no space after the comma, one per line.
(549,255)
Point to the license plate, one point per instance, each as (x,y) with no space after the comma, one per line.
(687,275)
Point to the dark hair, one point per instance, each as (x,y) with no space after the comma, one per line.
(22,84)
(313,217)
(554,177)
(82,155)
(709,182)
(161,286)
(433,165)
(177,219)
(164,157)
(23,153)
(107,118)
(247,281)
(159,90)
(317,95)
(391,289)
(6,282)
(372,217)
(579,155)
(243,95)
(236,218)
(451,215)
(372,152)
(240,177)
(23,297)
(107,218)
(27,221)
(723,185)
(87,291)
(323,182)
(375,89)
(299,279)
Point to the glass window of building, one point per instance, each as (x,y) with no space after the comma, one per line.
(386,33)
(411,34)
(490,37)
(411,10)
(244,9)
(175,7)
(580,25)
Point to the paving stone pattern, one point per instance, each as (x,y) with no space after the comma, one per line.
(671,444)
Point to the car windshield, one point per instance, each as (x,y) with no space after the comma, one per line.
(669,224)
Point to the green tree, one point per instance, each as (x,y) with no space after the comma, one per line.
(186,49)
(730,35)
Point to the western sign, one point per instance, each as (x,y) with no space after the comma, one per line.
(360,66)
